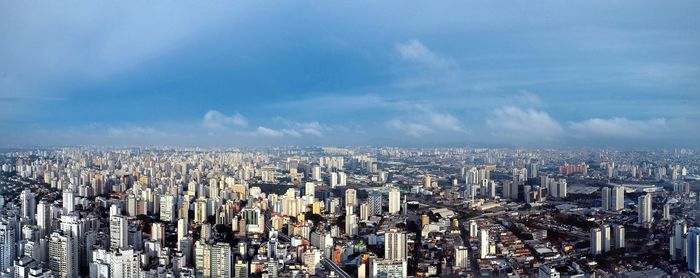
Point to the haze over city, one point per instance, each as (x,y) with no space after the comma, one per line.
(484,73)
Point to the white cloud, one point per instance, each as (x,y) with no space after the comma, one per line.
(309,128)
(216,120)
(518,124)
(269,132)
(409,128)
(618,128)
(415,51)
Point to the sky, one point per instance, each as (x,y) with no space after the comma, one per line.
(618,74)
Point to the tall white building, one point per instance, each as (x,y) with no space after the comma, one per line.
(118,232)
(596,241)
(168,209)
(8,236)
(351,226)
(221,260)
(484,246)
(644,209)
(618,198)
(60,259)
(462,257)
(605,198)
(395,247)
(350,197)
(316,173)
(334,179)
(473,229)
(43,217)
(394,200)
(342,179)
(694,250)
(310,190)
(618,236)
(68,201)
(428,182)
(28,202)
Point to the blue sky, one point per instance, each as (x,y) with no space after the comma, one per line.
(486,73)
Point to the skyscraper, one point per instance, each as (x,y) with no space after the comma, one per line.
(60,260)
(462,257)
(596,241)
(28,202)
(394,200)
(618,198)
(168,210)
(644,209)
(605,198)
(395,245)
(484,247)
(606,236)
(473,229)
(375,201)
(350,197)
(8,235)
(221,260)
(694,250)
(618,236)
(118,232)
(43,217)
(68,201)
(428,182)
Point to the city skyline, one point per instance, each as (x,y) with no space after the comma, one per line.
(546,74)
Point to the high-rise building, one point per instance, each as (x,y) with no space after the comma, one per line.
(644,209)
(43,217)
(310,190)
(68,201)
(333,179)
(667,211)
(606,236)
(375,201)
(364,211)
(221,260)
(473,229)
(618,236)
(395,247)
(316,173)
(605,198)
(618,198)
(394,200)
(694,250)
(168,209)
(351,225)
(8,237)
(678,240)
(462,257)
(596,241)
(28,203)
(484,245)
(350,197)
(428,182)
(118,232)
(60,259)
(342,179)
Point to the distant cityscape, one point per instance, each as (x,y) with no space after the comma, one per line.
(348,212)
